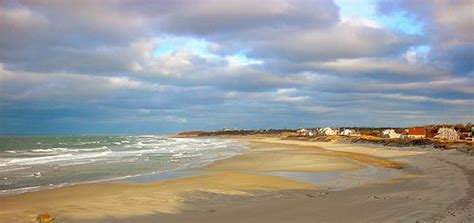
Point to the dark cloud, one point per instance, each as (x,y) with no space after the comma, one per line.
(221,17)
(84,67)
(449,26)
(339,41)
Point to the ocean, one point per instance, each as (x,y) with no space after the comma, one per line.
(29,163)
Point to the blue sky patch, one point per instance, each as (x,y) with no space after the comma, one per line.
(398,21)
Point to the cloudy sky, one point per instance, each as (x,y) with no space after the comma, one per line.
(142,66)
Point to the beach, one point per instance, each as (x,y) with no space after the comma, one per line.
(277,180)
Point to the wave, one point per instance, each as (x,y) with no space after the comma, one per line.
(124,154)
(45,150)
(51,159)
(61,149)
(51,186)
(14,169)
(19,190)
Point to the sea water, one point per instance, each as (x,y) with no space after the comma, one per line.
(29,163)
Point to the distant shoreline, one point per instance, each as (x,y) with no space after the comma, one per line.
(466,147)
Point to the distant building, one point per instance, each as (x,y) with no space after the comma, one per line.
(416,133)
(390,134)
(431,132)
(327,131)
(225,129)
(471,135)
(346,132)
(305,132)
(447,134)
(349,132)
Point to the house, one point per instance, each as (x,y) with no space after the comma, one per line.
(416,133)
(225,129)
(431,132)
(327,131)
(447,134)
(346,132)
(305,132)
(349,132)
(465,136)
(390,133)
(470,135)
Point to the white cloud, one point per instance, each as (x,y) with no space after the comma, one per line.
(144,111)
(124,82)
(418,98)
(3,73)
(374,66)
(289,95)
(358,21)
(292,99)
(318,109)
(239,61)
(175,119)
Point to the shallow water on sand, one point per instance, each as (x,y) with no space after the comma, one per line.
(337,180)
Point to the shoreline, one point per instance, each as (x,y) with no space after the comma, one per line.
(435,185)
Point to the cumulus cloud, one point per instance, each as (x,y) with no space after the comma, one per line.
(419,98)
(342,40)
(315,109)
(175,119)
(216,17)
(64,87)
(209,63)
(378,66)
(448,29)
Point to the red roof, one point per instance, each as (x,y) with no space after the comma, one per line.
(417,131)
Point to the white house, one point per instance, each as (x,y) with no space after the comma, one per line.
(327,131)
(305,132)
(345,132)
(349,132)
(225,129)
(447,133)
(390,133)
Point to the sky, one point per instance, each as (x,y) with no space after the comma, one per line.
(155,67)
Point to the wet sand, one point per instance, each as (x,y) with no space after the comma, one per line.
(432,186)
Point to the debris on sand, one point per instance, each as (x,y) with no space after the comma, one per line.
(45,218)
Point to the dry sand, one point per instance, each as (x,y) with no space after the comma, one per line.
(436,186)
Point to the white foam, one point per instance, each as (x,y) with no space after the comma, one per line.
(51,159)
(43,150)
(19,190)
(62,149)
(14,169)
(89,149)
(177,153)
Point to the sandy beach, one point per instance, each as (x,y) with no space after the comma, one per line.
(417,186)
